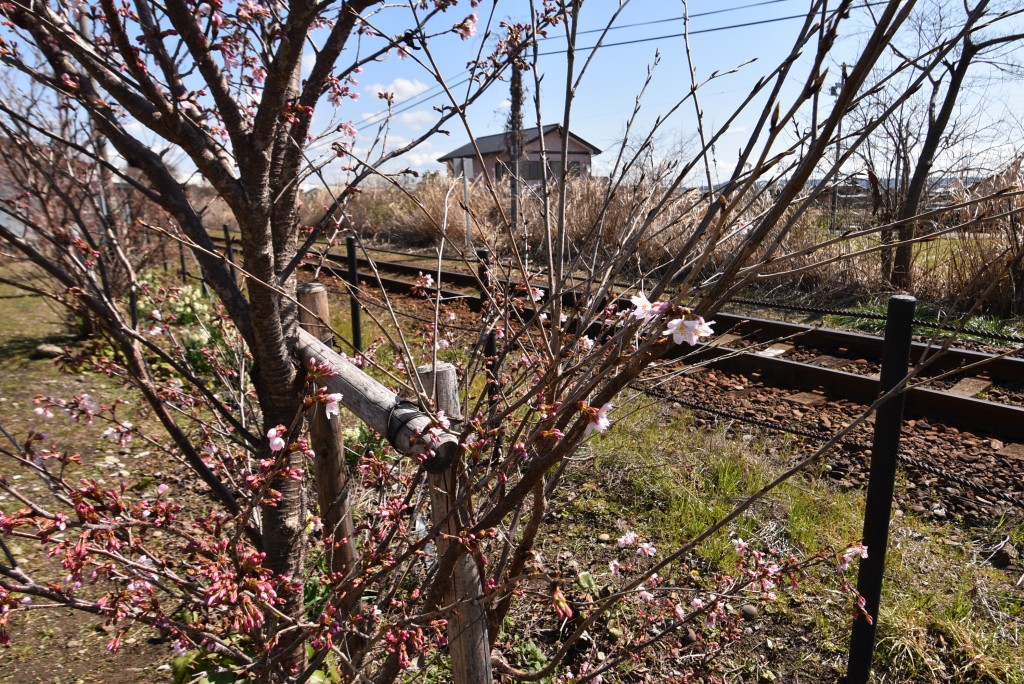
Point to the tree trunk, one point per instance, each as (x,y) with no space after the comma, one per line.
(275,379)
(902,276)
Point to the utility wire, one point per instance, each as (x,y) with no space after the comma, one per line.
(678,35)
(430,94)
(695,15)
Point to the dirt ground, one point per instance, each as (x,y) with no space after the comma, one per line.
(58,645)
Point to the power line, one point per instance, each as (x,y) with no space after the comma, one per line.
(428,95)
(696,15)
(677,35)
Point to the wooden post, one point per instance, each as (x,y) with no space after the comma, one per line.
(314,311)
(332,489)
(467,626)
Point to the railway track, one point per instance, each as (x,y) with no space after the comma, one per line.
(965,454)
(840,363)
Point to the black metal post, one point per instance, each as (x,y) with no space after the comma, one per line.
(881,482)
(491,363)
(229,251)
(491,356)
(353,281)
(181,258)
(483,271)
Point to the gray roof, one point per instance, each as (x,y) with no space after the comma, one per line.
(497,143)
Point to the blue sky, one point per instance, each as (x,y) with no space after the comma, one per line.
(724,35)
(607,93)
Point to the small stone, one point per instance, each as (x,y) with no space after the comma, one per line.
(47,351)
(807,398)
(604,537)
(748,611)
(690,637)
(1005,556)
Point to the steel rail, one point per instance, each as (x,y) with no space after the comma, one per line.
(987,417)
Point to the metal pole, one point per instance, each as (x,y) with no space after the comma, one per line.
(491,363)
(353,282)
(881,482)
(181,258)
(229,252)
(465,200)
(483,272)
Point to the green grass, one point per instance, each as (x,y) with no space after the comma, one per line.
(978,325)
(946,616)
(692,478)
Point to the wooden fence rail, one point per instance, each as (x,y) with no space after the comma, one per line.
(401,422)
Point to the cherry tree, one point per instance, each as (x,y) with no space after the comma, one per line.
(222,85)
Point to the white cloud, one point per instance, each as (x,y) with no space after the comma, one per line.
(420,160)
(505,104)
(402,88)
(416,119)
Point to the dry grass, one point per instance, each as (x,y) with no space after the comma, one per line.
(981,263)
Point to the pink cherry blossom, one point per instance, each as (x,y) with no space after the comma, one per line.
(646,549)
(627,539)
(645,310)
(467,27)
(331,408)
(689,330)
(858,549)
(276,437)
(614,566)
(599,421)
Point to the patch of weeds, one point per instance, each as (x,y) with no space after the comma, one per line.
(937,625)
(975,329)
(693,477)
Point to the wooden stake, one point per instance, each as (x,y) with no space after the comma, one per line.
(328,446)
(467,626)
